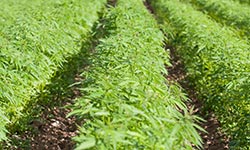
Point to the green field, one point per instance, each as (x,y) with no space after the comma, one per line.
(125,100)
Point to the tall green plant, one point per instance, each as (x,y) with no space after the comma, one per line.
(217,62)
(127,102)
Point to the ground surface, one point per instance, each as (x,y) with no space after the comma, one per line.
(54,133)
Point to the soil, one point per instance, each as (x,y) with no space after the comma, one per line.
(54,133)
(55,129)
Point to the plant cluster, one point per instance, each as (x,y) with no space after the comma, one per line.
(244,1)
(228,11)
(217,62)
(36,38)
(127,102)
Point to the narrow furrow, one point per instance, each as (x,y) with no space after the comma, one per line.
(214,139)
(53,130)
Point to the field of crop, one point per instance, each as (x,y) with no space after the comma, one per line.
(124,99)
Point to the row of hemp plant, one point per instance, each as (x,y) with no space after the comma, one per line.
(36,38)
(127,103)
(217,62)
(227,11)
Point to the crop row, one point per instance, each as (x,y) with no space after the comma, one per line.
(36,38)
(127,102)
(231,12)
(218,64)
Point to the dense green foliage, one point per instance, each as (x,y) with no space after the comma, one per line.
(36,38)
(244,1)
(218,63)
(127,102)
(231,12)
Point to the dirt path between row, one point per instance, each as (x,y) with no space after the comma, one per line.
(54,129)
